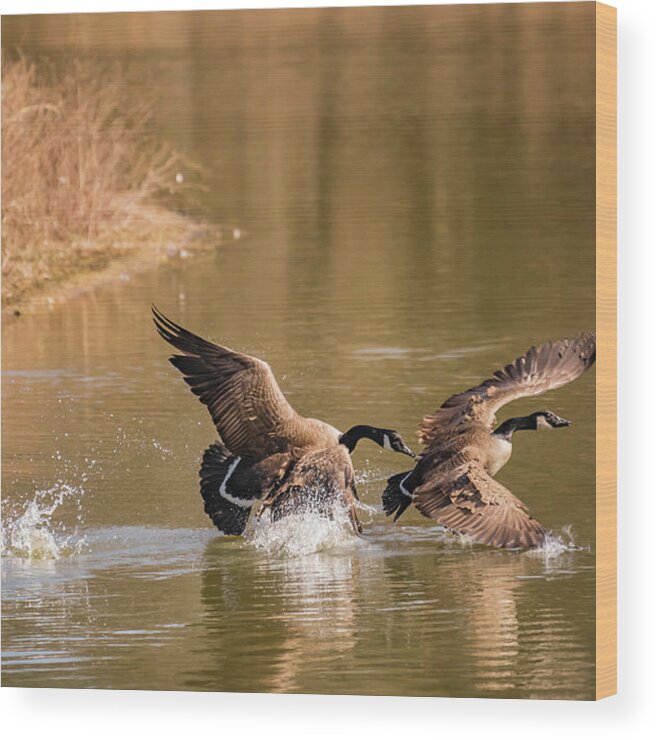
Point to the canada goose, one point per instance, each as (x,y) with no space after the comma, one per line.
(453,480)
(268,452)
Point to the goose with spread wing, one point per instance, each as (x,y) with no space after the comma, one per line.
(453,481)
(268,453)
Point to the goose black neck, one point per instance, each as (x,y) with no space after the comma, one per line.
(516,424)
(351,438)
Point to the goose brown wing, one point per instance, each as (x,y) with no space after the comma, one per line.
(541,369)
(248,408)
(468,501)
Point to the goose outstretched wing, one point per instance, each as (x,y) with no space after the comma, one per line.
(469,501)
(248,408)
(541,369)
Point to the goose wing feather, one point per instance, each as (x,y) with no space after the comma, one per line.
(469,501)
(248,408)
(541,369)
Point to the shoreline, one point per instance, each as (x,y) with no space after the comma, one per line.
(160,237)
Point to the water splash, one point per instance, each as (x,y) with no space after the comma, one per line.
(555,544)
(165,451)
(371,475)
(31,532)
(301,533)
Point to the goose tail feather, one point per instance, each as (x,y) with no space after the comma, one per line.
(396,498)
(228,513)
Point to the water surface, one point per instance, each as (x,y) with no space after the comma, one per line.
(415,190)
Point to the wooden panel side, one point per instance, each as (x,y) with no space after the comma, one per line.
(606,402)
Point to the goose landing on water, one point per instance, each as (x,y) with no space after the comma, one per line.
(453,481)
(268,452)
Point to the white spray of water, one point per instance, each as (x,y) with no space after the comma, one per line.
(371,475)
(555,544)
(32,532)
(301,533)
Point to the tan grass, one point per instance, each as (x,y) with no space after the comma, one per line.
(79,166)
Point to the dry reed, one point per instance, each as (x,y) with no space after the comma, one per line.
(79,166)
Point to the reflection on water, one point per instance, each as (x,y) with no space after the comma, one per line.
(416,190)
(392,612)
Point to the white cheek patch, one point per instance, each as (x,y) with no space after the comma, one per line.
(543,423)
(387,445)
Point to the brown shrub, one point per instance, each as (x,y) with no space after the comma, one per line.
(78,163)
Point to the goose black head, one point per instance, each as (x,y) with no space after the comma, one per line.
(549,420)
(388,439)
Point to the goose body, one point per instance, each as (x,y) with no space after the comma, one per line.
(268,453)
(318,479)
(499,452)
(453,481)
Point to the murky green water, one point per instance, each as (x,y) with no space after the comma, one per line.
(416,193)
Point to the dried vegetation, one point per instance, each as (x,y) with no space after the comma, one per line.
(83,174)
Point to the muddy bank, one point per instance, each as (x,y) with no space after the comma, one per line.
(156,237)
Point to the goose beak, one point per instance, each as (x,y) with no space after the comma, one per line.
(563,423)
(407,451)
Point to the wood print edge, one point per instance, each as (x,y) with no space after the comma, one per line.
(606,312)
